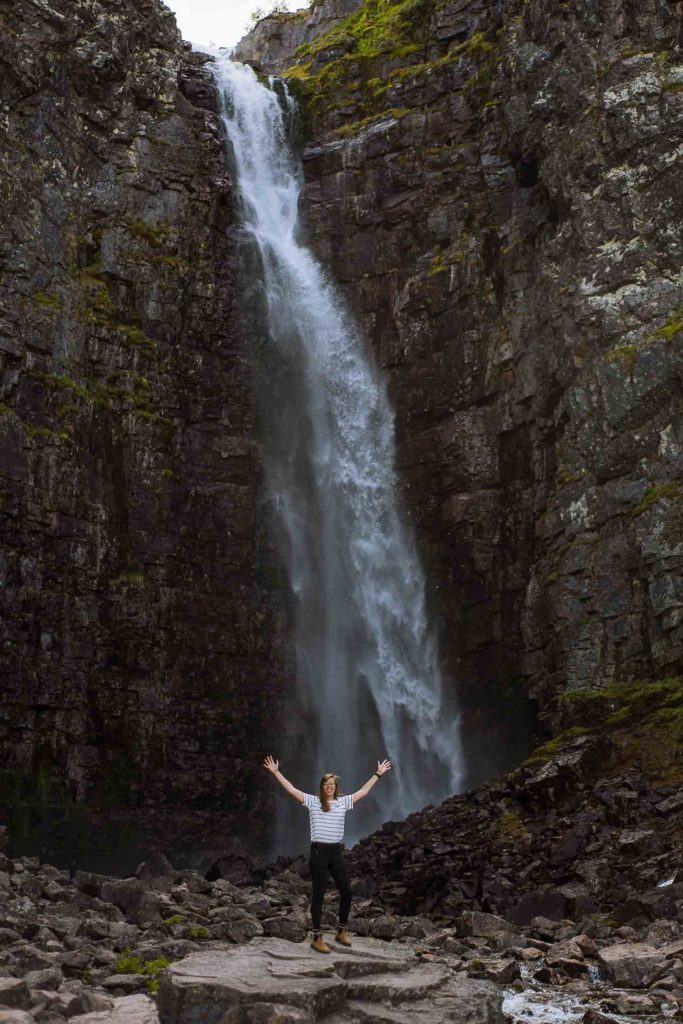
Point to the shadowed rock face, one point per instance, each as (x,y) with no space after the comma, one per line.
(496,187)
(136,641)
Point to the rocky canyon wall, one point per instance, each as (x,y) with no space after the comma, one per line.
(497,186)
(139,643)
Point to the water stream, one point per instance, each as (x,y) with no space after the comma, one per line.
(368,674)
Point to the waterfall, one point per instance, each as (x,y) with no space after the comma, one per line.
(368,674)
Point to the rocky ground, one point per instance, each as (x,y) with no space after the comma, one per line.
(557,884)
(104,947)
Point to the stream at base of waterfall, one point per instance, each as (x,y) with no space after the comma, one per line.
(369,683)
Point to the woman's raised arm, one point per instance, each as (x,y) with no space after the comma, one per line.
(274,768)
(382,767)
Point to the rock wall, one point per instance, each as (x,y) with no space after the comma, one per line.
(139,648)
(274,38)
(496,185)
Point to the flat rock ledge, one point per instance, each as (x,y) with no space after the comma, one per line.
(272,981)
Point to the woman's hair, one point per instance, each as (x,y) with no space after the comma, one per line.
(323,795)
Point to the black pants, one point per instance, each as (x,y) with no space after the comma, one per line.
(328,857)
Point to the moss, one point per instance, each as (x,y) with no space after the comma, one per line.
(4,409)
(438,263)
(127,964)
(47,301)
(511,828)
(131,578)
(33,431)
(672,327)
(175,262)
(197,931)
(135,398)
(356,126)
(154,234)
(643,720)
(174,919)
(341,68)
(625,354)
(655,494)
(547,750)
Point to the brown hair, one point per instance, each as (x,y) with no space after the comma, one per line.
(323,795)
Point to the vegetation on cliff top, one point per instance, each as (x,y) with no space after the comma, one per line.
(381,47)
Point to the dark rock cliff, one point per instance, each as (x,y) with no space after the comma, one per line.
(498,188)
(138,646)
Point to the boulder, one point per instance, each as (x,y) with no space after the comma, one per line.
(632,964)
(14,993)
(291,927)
(91,883)
(124,893)
(474,922)
(547,902)
(50,978)
(137,1009)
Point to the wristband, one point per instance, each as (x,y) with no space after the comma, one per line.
(377,775)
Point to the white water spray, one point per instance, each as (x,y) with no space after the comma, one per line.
(367,663)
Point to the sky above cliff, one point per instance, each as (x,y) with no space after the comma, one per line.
(222,22)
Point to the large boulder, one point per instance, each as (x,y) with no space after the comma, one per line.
(632,964)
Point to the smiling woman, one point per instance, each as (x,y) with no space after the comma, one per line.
(327,812)
(221,22)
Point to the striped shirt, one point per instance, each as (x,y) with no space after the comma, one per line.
(327,826)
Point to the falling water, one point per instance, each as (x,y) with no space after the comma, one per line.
(368,676)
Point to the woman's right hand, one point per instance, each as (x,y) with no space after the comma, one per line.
(271,764)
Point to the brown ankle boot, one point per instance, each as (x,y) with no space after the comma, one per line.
(319,945)
(342,936)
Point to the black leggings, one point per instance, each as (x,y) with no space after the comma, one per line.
(328,857)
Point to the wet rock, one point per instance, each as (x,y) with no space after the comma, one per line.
(592,1016)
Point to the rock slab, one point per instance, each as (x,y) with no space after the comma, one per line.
(275,980)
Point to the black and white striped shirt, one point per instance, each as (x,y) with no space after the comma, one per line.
(327,826)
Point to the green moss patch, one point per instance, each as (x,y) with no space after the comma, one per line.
(643,721)
(151,969)
(382,44)
(655,494)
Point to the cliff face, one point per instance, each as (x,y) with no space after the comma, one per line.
(274,38)
(497,187)
(138,646)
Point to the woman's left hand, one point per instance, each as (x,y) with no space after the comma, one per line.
(383,766)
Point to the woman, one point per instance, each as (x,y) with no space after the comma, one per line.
(326,813)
